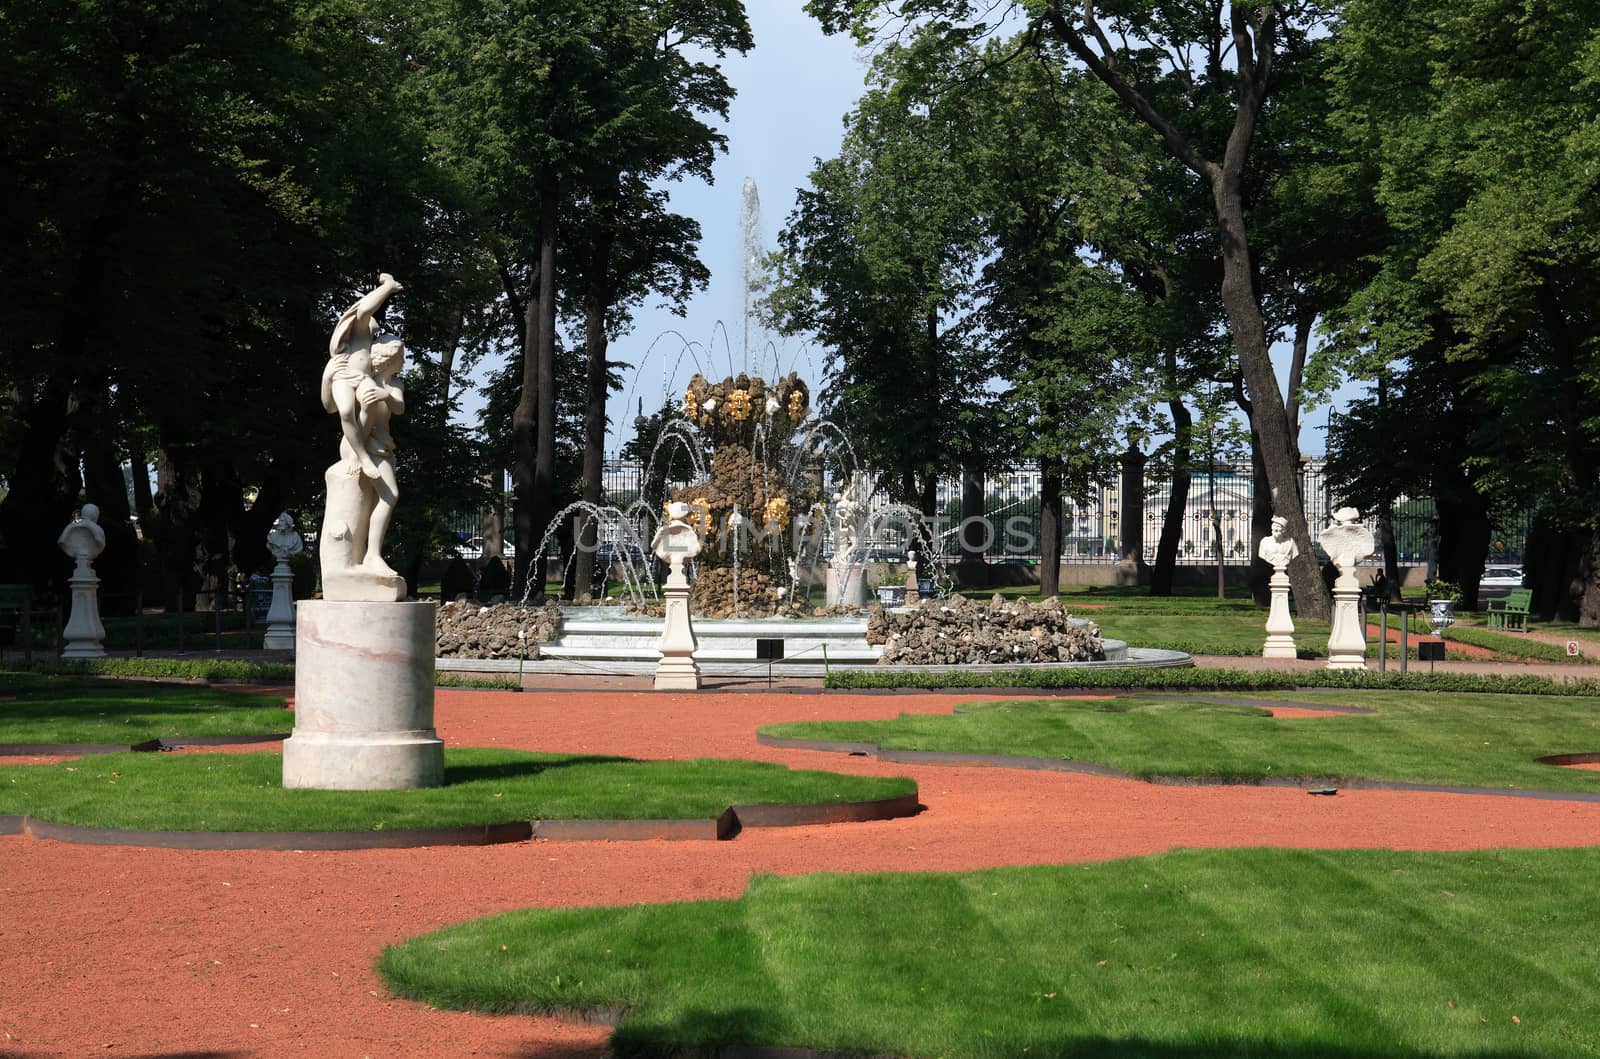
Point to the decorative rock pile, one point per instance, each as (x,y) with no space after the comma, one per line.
(957,631)
(467,630)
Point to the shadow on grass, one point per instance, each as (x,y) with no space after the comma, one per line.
(45,699)
(510,770)
(721,1033)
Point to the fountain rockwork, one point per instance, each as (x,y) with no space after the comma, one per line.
(750,426)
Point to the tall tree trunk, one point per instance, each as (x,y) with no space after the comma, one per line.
(43,490)
(1050,515)
(1260,525)
(533,419)
(597,299)
(1161,574)
(106,488)
(1464,531)
(544,472)
(974,530)
(1269,418)
(1391,552)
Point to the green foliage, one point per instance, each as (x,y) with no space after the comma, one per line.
(1216,953)
(245,792)
(1510,645)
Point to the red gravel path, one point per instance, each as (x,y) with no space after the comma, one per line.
(122,951)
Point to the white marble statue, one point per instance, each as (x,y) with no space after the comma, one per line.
(284,543)
(83,540)
(1279,550)
(360,385)
(1347,541)
(674,544)
(847,577)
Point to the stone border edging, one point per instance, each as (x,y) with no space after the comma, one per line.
(146,747)
(1088,768)
(725,826)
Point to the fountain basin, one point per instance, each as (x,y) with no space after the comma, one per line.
(603,640)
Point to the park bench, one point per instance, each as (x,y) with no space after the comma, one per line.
(16,618)
(1511,613)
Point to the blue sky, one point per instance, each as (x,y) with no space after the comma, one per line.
(794,89)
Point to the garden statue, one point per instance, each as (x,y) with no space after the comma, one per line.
(360,384)
(83,540)
(1279,550)
(1347,542)
(675,543)
(364,658)
(284,543)
(847,574)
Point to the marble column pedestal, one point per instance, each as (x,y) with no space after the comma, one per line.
(1280,627)
(846,585)
(1347,640)
(677,670)
(363,692)
(84,636)
(280,615)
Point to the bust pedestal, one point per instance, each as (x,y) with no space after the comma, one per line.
(677,670)
(1347,640)
(84,635)
(364,698)
(1280,627)
(847,584)
(280,615)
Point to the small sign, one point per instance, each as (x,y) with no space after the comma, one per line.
(1572,648)
(769,650)
(1430,652)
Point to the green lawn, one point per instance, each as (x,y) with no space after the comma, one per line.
(244,792)
(1467,740)
(1345,955)
(1225,632)
(78,710)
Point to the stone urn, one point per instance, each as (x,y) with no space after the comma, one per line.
(1441,614)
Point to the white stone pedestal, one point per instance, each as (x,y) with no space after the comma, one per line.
(1347,640)
(363,692)
(1280,627)
(677,670)
(280,616)
(84,635)
(847,585)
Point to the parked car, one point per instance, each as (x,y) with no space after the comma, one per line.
(1501,577)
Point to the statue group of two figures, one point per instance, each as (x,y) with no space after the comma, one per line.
(364,656)
(1347,541)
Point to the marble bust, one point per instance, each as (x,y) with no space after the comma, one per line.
(1279,550)
(360,385)
(677,541)
(1347,541)
(83,540)
(282,541)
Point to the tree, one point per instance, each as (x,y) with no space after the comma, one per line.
(190,195)
(878,260)
(1171,70)
(1480,122)
(559,116)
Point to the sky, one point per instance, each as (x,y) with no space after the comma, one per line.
(794,89)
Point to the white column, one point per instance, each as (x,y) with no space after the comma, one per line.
(1347,640)
(280,616)
(677,670)
(363,687)
(84,635)
(1280,627)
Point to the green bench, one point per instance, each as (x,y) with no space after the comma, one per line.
(1511,613)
